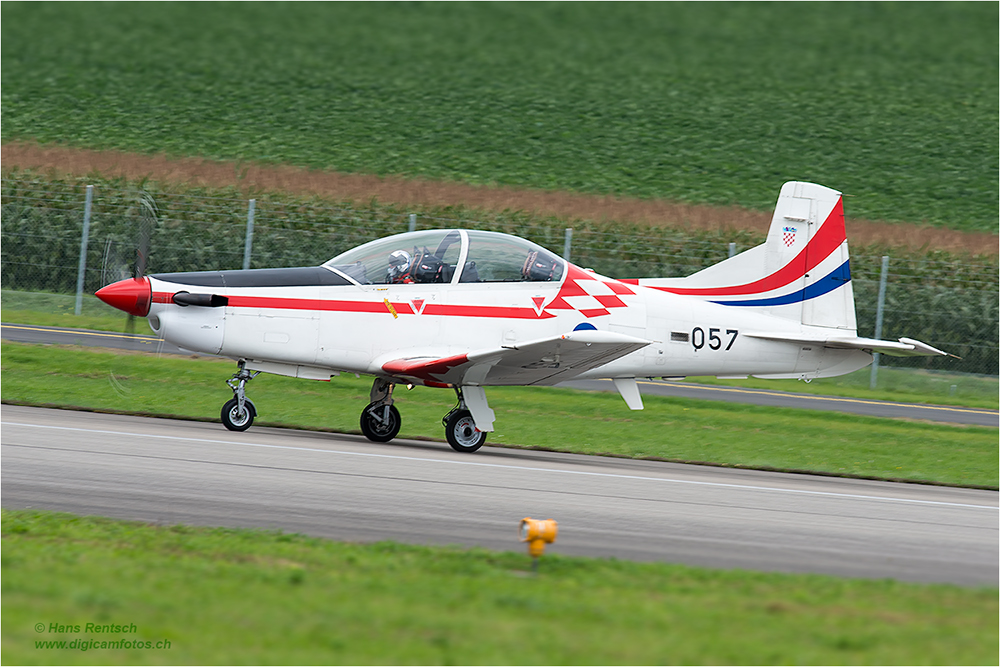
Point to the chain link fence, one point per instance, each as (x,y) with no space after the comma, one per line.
(947,302)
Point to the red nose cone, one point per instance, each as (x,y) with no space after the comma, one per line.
(132,296)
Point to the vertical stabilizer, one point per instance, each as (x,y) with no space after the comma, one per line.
(802,272)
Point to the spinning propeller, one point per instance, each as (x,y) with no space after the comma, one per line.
(132,296)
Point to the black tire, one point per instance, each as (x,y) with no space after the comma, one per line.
(237,422)
(462,434)
(376,430)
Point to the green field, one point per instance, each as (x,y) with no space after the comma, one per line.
(557,419)
(893,103)
(224,596)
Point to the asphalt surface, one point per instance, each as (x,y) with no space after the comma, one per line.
(347,488)
(938,413)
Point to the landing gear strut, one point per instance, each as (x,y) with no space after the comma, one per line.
(460,428)
(380,420)
(238,413)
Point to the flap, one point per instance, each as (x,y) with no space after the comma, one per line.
(906,347)
(545,361)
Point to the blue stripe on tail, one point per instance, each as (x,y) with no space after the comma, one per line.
(836,278)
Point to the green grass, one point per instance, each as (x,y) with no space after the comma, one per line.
(894,384)
(904,385)
(57,310)
(558,419)
(894,103)
(225,596)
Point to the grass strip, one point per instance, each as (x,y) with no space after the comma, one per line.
(229,596)
(558,419)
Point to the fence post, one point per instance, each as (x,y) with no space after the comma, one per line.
(732,249)
(878,318)
(249,242)
(84,239)
(413,222)
(568,243)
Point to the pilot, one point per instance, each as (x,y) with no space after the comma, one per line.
(399,267)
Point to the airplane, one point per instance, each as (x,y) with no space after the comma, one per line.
(466,309)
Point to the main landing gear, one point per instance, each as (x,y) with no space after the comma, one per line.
(238,412)
(380,420)
(460,428)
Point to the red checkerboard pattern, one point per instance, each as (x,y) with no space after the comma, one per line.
(589,294)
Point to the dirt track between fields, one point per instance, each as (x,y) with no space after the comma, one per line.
(60,160)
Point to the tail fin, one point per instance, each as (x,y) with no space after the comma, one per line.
(802,272)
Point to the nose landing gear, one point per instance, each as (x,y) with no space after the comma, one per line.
(380,420)
(238,413)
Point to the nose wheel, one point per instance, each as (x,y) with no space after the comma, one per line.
(236,419)
(238,413)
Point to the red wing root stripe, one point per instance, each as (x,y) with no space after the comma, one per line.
(423,369)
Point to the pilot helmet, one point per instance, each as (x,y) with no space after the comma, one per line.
(399,264)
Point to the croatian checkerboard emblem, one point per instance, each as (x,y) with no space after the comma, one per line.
(788,236)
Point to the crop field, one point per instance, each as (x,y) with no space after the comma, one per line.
(895,104)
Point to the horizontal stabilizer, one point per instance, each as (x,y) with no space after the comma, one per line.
(906,347)
(545,361)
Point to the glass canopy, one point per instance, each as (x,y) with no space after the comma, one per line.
(448,256)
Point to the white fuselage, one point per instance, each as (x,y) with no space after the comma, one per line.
(315,331)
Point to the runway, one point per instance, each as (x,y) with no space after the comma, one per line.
(939,413)
(344,487)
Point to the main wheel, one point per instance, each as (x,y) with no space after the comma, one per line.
(231,417)
(462,434)
(378,427)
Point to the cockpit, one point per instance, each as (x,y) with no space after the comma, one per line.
(448,256)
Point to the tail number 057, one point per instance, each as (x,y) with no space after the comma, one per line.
(699,339)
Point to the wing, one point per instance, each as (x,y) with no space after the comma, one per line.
(544,362)
(906,347)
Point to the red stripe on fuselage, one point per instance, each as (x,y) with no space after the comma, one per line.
(829,237)
(402,307)
(513,312)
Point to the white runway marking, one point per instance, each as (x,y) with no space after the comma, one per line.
(508,467)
